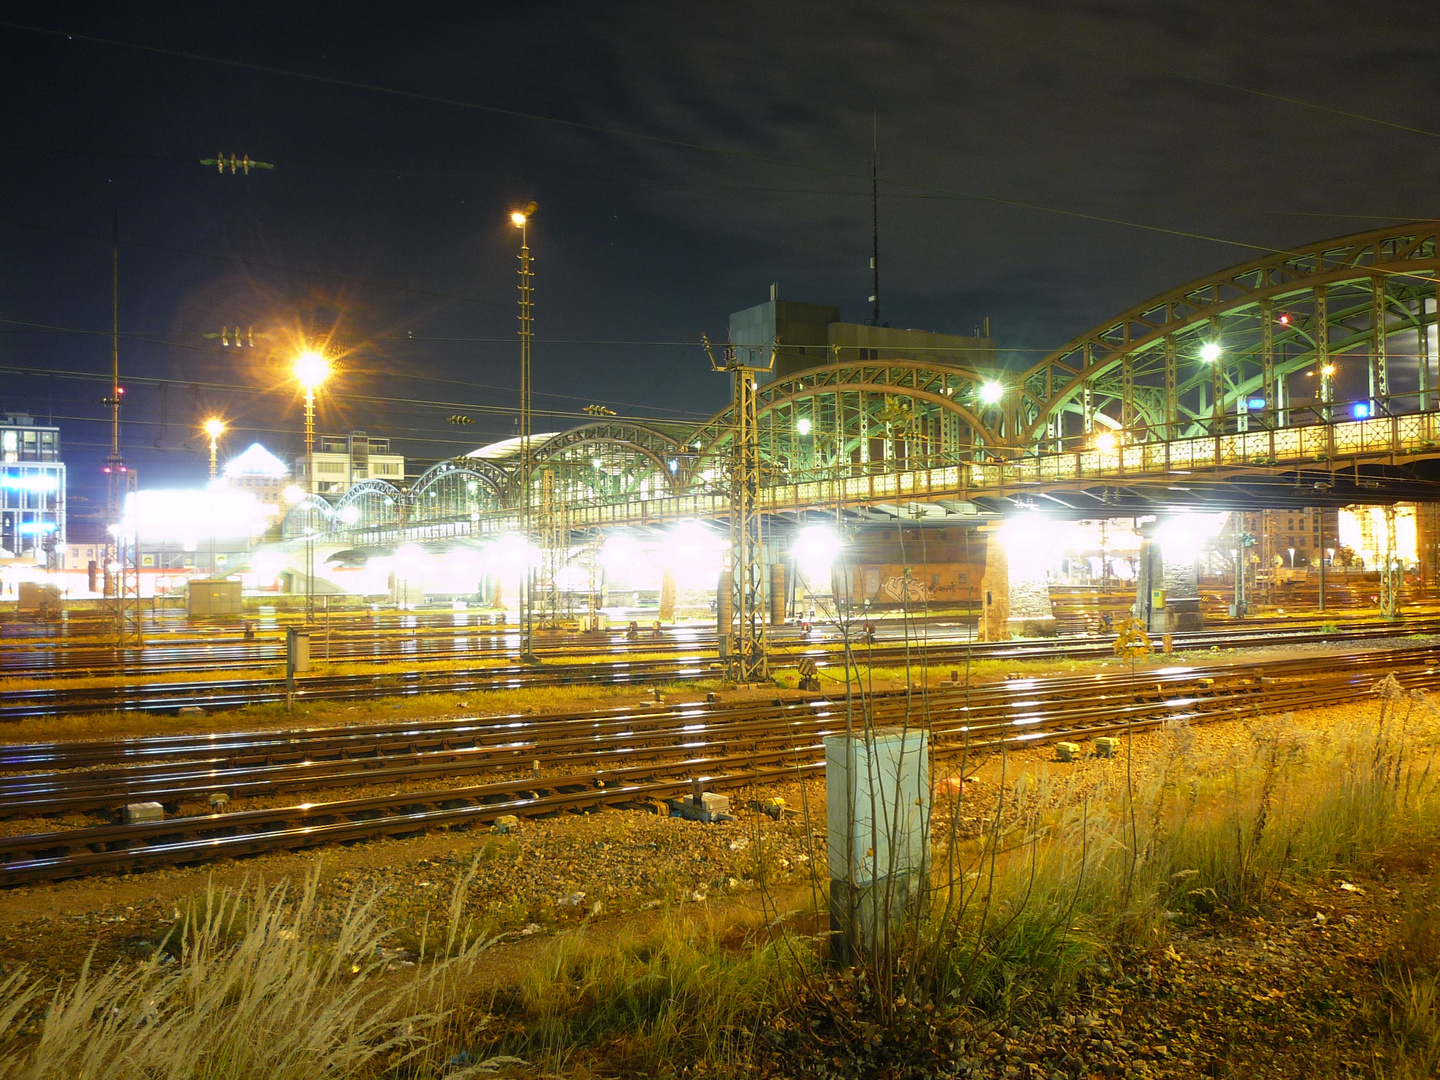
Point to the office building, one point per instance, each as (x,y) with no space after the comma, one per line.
(32,490)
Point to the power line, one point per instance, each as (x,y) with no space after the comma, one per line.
(242,261)
(336,396)
(659,140)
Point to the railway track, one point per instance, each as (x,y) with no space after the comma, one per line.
(462,639)
(688,663)
(613,758)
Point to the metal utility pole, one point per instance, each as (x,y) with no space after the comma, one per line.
(1240,608)
(1390,578)
(743,640)
(554,546)
(122,559)
(875,221)
(520,219)
(310,504)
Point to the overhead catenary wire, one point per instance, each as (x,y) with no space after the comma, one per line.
(660,140)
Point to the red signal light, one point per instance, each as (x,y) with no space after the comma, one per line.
(1285,320)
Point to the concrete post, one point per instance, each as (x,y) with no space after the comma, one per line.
(877,791)
(1015,592)
(1167,595)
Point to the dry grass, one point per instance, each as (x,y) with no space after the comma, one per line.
(253,993)
(1050,886)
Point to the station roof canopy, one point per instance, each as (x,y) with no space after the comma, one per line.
(506,449)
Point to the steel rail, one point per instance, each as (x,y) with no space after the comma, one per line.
(697,644)
(236,748)
(159,697)
(81,851)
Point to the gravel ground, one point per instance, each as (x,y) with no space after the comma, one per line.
(558,872)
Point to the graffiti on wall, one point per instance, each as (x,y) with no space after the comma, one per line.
(904,589)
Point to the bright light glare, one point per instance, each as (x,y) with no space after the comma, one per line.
(517,218)
(187,516)
(311,369)
(255,461)
(214,428)
(1328,370)
(693,554)
(1182,536)
(991,393)
(410,555)
(816,548)
(292,494)
(621,556)
(803,425)
(510,555)
(1106,441)
(350,514)
(265,567)
(1210,351)
(1031,544)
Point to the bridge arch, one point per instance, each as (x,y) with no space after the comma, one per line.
(859,417)
(370,503)
(460,489)
(313,512)
(613,458)
(1303,335)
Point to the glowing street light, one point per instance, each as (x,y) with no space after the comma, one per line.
(214,427)
(802,426)
(991,392)
(311,369)
(1106,441)
(520,219)
(1210,352)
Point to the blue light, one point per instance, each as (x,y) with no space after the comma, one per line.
(12,482)
(1255,403)
(1360,410)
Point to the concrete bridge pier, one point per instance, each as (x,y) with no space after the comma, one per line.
(1015,589)
(1167,593)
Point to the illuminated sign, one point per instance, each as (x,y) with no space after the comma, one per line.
(12,482)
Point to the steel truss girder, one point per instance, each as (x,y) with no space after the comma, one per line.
(650,442)
(1406,254)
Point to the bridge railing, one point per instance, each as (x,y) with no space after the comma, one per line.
(1311,445)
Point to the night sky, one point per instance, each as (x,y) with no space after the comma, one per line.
(1044,164)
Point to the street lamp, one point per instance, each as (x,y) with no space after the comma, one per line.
(214,427)
(520,219)
(311,369)
(991,392)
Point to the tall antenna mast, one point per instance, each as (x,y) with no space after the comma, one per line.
(875,218)
(115,338)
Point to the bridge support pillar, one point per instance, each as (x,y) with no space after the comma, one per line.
(1015,590)
(1167,593)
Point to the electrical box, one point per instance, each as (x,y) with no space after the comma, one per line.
(214,596)
(38,598)
(297,652)
(877,794)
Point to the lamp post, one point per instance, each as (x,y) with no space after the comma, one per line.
(214,427)
(520,219)
(311,369)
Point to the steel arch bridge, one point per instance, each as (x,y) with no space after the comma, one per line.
(1283,368)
